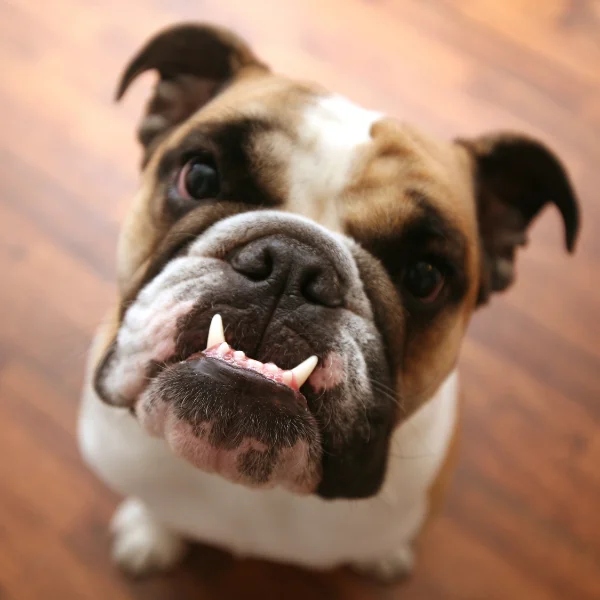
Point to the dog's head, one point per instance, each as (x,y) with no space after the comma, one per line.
(313,227)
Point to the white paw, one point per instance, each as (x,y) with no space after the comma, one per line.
(396,565)
(141,545)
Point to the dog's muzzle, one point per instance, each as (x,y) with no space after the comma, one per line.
(252,393)
(251,351)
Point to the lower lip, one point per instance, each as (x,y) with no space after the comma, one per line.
(211,413)
(247,381)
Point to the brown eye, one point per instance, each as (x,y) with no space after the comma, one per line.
(198,180)
(424,281)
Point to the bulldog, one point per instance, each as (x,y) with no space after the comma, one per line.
(295,277)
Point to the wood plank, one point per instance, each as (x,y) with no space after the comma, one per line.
(521,520)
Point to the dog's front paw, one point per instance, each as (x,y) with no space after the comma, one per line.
(393,567)
(141,545)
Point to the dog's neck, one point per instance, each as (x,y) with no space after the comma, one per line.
(420,444)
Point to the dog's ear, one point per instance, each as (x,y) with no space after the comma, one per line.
(194,62)
(515,177)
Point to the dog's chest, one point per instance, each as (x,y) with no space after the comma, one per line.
(273,523)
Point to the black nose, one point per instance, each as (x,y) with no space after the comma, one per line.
(294,267)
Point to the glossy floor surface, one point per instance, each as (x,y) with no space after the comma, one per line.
(522,520)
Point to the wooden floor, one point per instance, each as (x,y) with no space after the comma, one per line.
(522,521)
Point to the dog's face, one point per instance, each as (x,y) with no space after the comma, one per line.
(313,228)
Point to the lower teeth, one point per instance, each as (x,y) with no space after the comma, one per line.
(237,358)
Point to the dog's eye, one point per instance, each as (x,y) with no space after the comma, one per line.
(424,281)
(198,180)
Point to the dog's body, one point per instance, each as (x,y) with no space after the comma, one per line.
(316,227)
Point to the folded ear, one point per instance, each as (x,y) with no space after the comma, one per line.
(194,62)
(515,177)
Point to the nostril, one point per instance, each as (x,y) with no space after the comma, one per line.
(292,268)
(322,288)
(255,262)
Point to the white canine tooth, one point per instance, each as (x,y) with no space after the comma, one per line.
(223,349)
(304,369)
(287,377)
(216,335)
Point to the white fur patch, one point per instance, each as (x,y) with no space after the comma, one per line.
(147,335)
(149,329)
(330,135)
(141,545)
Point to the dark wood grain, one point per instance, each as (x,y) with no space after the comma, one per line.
(522,520)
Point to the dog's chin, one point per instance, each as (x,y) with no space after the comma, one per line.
(241,421)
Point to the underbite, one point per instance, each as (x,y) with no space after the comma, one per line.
(237,358)
(218,348)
